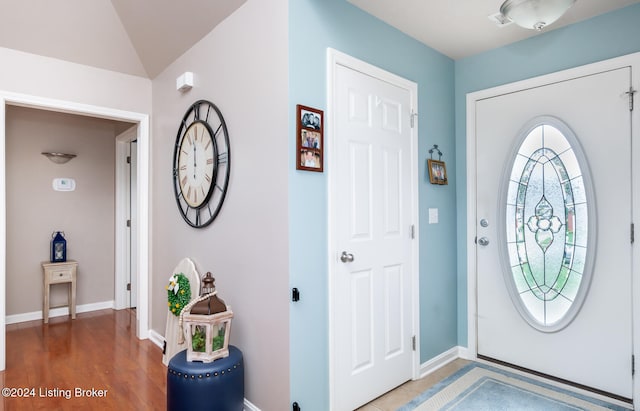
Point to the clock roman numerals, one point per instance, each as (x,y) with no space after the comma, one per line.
(196,111)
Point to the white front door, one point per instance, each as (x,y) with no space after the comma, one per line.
(374,262)
(541,229)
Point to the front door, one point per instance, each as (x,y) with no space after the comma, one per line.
(553,230)
(373,205)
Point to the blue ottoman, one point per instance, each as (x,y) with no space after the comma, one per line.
(214,386)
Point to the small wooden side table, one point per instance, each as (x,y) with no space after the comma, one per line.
(60,273)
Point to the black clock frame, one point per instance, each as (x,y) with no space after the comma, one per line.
(204,215)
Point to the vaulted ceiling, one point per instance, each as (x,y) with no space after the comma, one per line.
(139,37)
(142,37)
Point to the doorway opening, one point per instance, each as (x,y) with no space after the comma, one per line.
(142,240)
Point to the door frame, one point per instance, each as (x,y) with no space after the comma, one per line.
(143,135)
(122,232)
(631,60)
(334,59)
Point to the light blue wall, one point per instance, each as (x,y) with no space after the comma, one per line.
(607,36)
(315,25)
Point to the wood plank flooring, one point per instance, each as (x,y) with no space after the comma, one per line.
(97,352)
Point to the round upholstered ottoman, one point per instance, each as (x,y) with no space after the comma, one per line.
(214,386)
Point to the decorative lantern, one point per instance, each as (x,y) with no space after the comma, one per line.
(206,323)
(58,247)
(207,286)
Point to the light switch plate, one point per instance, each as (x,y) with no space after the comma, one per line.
(433,216)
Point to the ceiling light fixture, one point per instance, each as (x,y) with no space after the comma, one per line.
(58,158)
(535,14)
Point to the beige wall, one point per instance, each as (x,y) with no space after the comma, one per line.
(241,66)
(48,77)
(56,79)
(35,210)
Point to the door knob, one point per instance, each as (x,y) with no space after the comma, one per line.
(346,257)
(483,241)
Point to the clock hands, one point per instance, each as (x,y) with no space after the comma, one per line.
(194,158)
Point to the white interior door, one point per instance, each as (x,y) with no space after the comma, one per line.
(594,349)
(373,196)
(133,232)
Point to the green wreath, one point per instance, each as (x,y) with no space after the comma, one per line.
(178,292)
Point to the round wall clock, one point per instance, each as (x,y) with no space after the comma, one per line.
(201,164)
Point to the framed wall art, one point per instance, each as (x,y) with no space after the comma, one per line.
(437,172)
(309,139)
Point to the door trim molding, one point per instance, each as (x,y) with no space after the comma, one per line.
(122,264)
(142,121)
(336,58)
(631,60)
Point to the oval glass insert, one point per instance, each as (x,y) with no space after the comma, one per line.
(549,226)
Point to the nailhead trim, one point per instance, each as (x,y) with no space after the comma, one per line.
(207,375)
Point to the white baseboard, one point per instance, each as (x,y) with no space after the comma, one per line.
(156,338)
(249,407)
(467,354)
(57,312)
(440,361)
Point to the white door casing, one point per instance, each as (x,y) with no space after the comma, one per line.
(142,120)
(575,104)
(373,205)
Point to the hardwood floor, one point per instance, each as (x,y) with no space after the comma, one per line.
(97,352)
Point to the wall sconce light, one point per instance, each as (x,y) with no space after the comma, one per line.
(58,158)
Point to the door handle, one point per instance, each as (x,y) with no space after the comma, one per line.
(346,257)
(483,241)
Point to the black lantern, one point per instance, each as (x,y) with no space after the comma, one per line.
(58,247)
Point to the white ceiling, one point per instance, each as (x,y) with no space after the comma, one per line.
(461,28)
(142,37)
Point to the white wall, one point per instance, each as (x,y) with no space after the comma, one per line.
(35,210)
(242,67)
(47,77)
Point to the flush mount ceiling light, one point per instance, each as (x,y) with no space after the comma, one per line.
(535,14)
(58,158)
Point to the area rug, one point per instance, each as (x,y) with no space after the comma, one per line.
(479,387)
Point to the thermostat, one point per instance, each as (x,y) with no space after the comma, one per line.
(64,184)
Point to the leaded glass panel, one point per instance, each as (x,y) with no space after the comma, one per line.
(547,225)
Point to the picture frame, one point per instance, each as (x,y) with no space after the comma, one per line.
(309,139)
(437,172)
